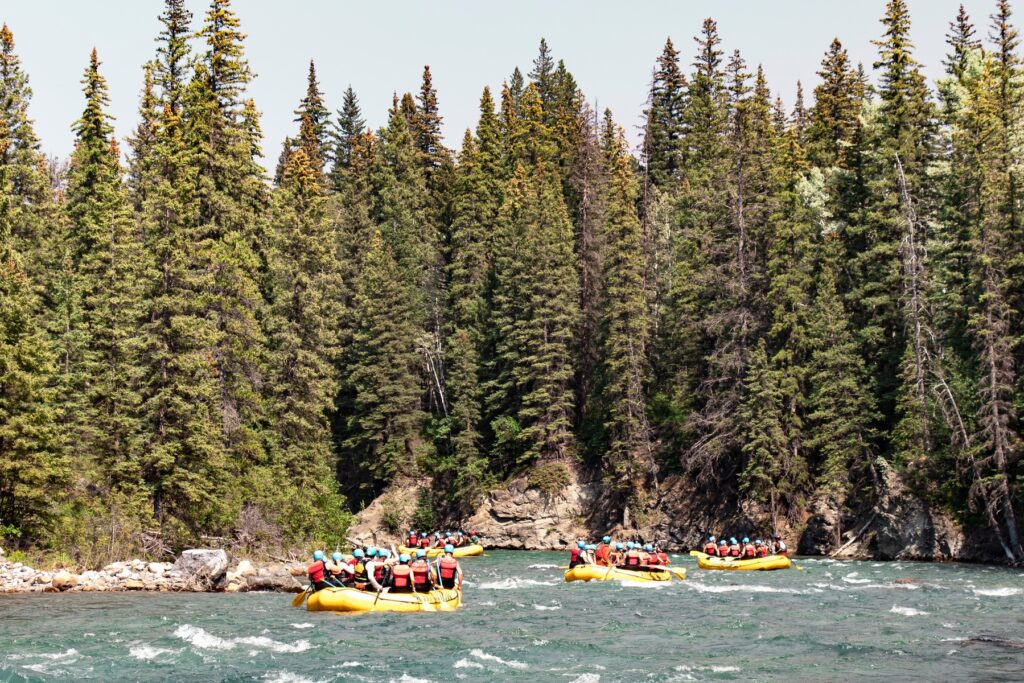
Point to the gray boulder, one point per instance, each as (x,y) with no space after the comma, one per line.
(201,568)
(275,578)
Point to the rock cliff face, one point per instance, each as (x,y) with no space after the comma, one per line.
(525,517)
(900,526)
(522,515)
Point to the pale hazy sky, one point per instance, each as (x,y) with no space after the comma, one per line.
(381,47)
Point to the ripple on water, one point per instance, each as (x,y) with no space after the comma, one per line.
(908,611)
(487,657)
(202,639)
(997,592)
(149,652)
(513,583)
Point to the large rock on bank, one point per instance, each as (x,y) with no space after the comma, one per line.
(545,509)
(201,568)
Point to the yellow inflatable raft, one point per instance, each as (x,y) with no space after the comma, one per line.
(759,563)
(464,551)
(355,600)
(593,572)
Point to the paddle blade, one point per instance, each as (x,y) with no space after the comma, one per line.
(299,599)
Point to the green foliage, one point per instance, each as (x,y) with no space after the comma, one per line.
(424,517)
(549,477)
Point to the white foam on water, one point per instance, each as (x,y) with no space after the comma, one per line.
(148,652)
(997,592)
(302,625)
(543,566)
(907,611)
(487,657)
(755,588)
(849,578)
(489,603)
(53,656)
(467,664)
(347,665)
(724,669)
(513,583)
(538,643)
(406,678)
(547,608)
(587,678)
(204,640)
(286,677)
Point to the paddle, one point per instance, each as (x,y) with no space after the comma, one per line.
(301,597)
(678,573)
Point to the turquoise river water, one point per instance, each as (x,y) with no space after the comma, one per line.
(826,621)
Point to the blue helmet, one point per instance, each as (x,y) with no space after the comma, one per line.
(711,538)
(591,547)
(336,557)
(371,552)
(423,534)
(619,546)
(437,534)
(357,553)
(629,546)
(649,547)
(746,540)
(733,540)
(318,555)
(384,552)
(581,544)
(447,534)
(403,558)
(474,539)
(449,548)
(606,539)
(757,542)
(421,553)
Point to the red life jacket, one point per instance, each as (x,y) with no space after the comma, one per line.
(413,540)
(401,576)
(378,571)
(663,558)
(723,551)
(448,566)
(632,558)
(762,551)
(603,553)
(749,551)
(424,542)
(710,548)
(420,572)
(352,562)
(734,551)
(574,555)
(316,571)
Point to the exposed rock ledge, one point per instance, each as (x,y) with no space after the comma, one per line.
(198,570)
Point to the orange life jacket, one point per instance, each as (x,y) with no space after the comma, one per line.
(603,554)
(448,566)
(401,576)
(420,572)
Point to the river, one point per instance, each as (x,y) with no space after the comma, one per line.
(826,621)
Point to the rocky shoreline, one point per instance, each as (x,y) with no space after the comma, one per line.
(200,570)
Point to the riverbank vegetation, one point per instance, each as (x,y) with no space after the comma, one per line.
(768,299)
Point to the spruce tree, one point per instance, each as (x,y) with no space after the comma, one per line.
(384,430)
(347,129)
(313,109)
(33,467)
(625,328)
(663,146)
(102,380)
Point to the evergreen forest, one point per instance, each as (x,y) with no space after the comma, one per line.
(769,301)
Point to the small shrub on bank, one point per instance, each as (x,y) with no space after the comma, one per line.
(549,477)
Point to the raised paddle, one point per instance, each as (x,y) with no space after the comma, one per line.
(301,597)
(678,573)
